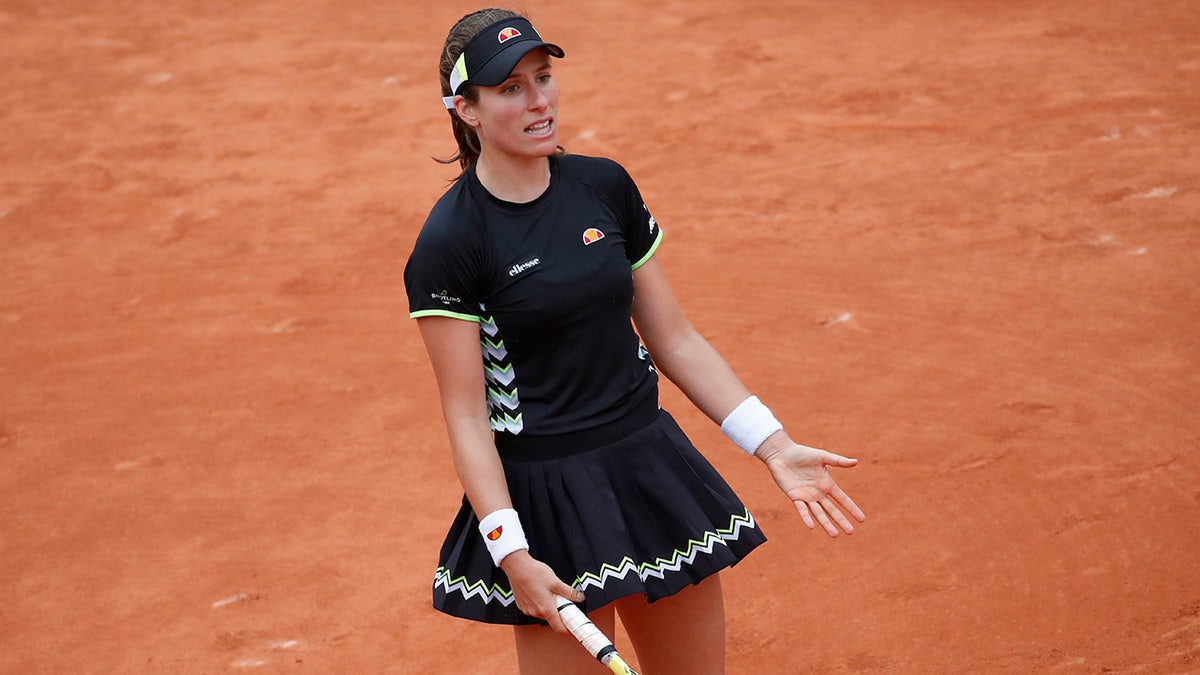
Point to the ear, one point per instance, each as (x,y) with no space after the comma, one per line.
(466,111)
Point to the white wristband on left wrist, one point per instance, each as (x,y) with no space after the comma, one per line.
(750,424)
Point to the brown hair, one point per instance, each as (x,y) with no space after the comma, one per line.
(456,41)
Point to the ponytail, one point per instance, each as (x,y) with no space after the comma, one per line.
(456,41)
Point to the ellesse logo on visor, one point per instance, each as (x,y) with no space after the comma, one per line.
(508,34)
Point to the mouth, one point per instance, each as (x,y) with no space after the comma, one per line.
(540,129)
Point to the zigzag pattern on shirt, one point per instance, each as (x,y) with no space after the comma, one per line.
(502,396)
(659,568)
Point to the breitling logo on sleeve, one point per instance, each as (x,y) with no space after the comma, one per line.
(444,297)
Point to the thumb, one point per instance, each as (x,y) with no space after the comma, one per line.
(569,593)
(838,460)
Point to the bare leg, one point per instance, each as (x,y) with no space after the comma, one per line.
(541,651)
(684,633)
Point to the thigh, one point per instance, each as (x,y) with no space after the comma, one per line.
(684,633)
(541,650)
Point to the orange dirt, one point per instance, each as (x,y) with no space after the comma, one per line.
(959,243)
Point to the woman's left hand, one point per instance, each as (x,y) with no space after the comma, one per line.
(803,475)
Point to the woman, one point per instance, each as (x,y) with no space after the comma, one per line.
(576,483)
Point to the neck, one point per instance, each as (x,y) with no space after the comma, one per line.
(517,180)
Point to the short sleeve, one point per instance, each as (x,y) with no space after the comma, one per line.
(642,233)
(443,272)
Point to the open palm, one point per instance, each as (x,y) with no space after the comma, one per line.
(803,475)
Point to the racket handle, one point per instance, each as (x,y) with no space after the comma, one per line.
(592,639)
(583,629)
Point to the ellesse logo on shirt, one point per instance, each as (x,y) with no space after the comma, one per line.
(521,267)
(591,236)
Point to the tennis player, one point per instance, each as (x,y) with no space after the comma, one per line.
(576,482)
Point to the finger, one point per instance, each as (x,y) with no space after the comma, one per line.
(848,504)
(837,515)
(802,507)
(556,622)
(546,611)
(823,519)
(535,611)
(553,618)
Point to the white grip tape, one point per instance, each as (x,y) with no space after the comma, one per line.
(502,534)
(583,629)
(749,424)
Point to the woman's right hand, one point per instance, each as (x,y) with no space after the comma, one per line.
(534,586)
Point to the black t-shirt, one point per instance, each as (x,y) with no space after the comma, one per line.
(551,284)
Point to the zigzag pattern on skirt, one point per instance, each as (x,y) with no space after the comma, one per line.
(659,568)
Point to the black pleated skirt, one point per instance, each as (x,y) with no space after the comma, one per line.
(644,513)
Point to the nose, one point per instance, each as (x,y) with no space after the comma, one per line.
(538,99)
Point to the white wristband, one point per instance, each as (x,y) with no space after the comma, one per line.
(749,424)
(502,533)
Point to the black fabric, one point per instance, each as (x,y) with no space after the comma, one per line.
(646,514)
(551,284)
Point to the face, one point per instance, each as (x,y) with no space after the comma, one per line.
(518,117)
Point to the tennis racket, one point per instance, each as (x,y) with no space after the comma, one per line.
(597,644)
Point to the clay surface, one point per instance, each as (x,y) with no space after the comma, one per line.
(958,242)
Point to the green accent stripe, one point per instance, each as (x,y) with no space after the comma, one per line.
(653,248)
(487,593)
(660,567)
(678,559)
(441,312)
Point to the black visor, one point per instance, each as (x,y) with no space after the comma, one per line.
(491,55)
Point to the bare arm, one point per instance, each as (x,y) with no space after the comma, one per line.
(453,349)
(695,366)
(679,351)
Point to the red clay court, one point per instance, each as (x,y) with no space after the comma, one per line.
(958,241)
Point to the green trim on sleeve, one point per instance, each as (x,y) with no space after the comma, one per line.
(441,312)
(653,247)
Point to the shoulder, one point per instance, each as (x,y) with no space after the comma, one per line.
(587,163)
(453,216)
(455,206)
(597,171)
(454,233)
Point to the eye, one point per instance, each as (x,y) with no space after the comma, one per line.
(512,88)
(544,78)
